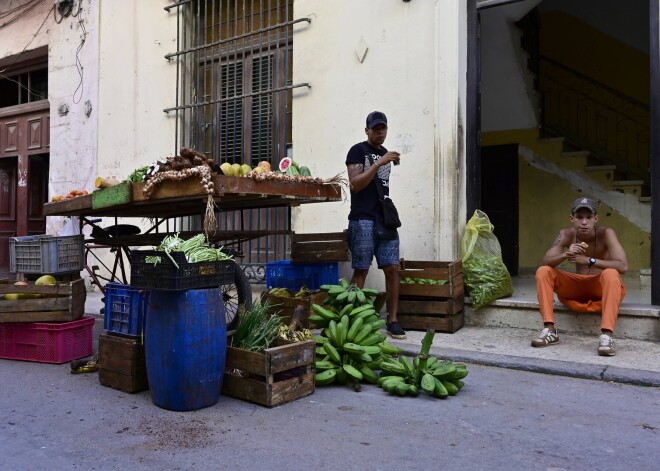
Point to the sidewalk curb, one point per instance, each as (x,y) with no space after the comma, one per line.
(554,367)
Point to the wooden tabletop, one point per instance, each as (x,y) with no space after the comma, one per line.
(188,197)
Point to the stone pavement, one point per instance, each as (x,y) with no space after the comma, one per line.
(636,362)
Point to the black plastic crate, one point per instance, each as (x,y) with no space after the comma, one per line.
(166,276)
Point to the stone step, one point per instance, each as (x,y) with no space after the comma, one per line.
(635,321)
(604,175)
(629,187)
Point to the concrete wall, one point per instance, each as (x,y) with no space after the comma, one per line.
(409,61)
(508,99)
(136,83)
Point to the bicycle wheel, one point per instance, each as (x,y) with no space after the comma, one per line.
(237,295)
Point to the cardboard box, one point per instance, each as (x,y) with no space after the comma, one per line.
(122,363)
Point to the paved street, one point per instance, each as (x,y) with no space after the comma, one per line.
(503,419)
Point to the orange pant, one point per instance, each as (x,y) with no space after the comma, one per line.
(585,293)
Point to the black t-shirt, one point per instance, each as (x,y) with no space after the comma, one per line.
(364,204)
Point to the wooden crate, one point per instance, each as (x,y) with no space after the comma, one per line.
(450,271)
(285,307)
(122,364)
(320,247)
(424,306)
(279,375)
(63,302)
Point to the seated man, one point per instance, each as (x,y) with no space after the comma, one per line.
(596,284)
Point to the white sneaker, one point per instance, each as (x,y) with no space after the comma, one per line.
(606,346)
(545,338)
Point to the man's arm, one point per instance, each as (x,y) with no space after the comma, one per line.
(556,254)
(616,255)
(358,178)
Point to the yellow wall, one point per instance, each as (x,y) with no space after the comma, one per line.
(583,48)
(544,206)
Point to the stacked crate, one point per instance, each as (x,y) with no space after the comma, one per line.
(45,323)
(122,362)
(430,305)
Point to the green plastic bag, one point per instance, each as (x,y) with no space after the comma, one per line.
(486,276)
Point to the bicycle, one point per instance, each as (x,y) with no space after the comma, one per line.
(119,238)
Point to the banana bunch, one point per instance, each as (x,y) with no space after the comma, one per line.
(349,349)
(346,293)
(286,333)
(404,376)
(280,292)
(303,292)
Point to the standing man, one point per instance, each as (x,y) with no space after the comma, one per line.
(368,162)
(596,284)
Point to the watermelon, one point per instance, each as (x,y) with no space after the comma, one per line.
(285,163)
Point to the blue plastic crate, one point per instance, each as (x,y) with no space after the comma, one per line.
(125,309)
(284,274)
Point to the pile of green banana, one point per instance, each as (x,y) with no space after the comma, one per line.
(346,293)
(285,332)
(350,346)
(303,292)
(437,378)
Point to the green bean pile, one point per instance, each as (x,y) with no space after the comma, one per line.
(195,249)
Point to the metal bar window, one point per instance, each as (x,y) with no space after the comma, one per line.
(233,97)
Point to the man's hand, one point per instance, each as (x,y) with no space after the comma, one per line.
(390,156)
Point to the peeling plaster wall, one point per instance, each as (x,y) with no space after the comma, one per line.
(403,59)
(72,81)
(136,83)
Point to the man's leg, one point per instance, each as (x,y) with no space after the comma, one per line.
(387,257)
(613,293)
(392,288)
(545,292)
(359,277)
(361,245)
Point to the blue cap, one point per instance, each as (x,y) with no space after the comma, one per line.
(375,118)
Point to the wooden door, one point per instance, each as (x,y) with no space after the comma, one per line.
(37,194)
(24,147)
(8,183)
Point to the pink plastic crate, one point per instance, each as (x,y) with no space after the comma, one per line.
(47,342)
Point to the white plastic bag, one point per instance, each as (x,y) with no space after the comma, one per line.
(71,226)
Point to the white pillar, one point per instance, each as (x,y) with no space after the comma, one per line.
(450,108)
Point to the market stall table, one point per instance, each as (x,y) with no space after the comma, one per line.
(188,197)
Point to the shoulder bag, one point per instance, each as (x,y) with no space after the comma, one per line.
(388,222)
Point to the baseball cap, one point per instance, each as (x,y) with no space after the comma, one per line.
(375,118)
(587,203)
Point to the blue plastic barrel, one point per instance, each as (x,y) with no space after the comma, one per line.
(185,348)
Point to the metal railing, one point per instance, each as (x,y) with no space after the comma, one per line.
(596,117)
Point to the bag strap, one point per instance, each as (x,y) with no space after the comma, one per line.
(379,182)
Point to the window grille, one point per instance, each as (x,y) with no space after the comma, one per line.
(233,97)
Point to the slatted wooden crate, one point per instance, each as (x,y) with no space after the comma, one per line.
(122,364)
(320,247)
(285,307)
(63,302)
(276,376)
(435,306)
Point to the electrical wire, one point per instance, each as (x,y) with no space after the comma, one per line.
(27,8)
(79,66)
